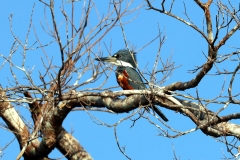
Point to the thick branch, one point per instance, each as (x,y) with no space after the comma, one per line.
(70,147)
(18,127)
(53,133)
(207,121)
(206,10)
(51,127)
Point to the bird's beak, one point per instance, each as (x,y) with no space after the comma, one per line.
(107,59)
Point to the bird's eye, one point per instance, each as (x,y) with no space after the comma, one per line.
(117,56)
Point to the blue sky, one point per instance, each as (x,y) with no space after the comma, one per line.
(183,44)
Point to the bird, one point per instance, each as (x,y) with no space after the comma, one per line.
(126,74)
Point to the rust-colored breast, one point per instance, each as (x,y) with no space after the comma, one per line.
(123,81)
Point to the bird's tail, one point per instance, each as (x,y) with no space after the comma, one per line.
(159,112)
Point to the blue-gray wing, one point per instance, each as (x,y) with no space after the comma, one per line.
(135,79)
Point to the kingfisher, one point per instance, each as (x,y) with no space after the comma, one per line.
(126,74)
